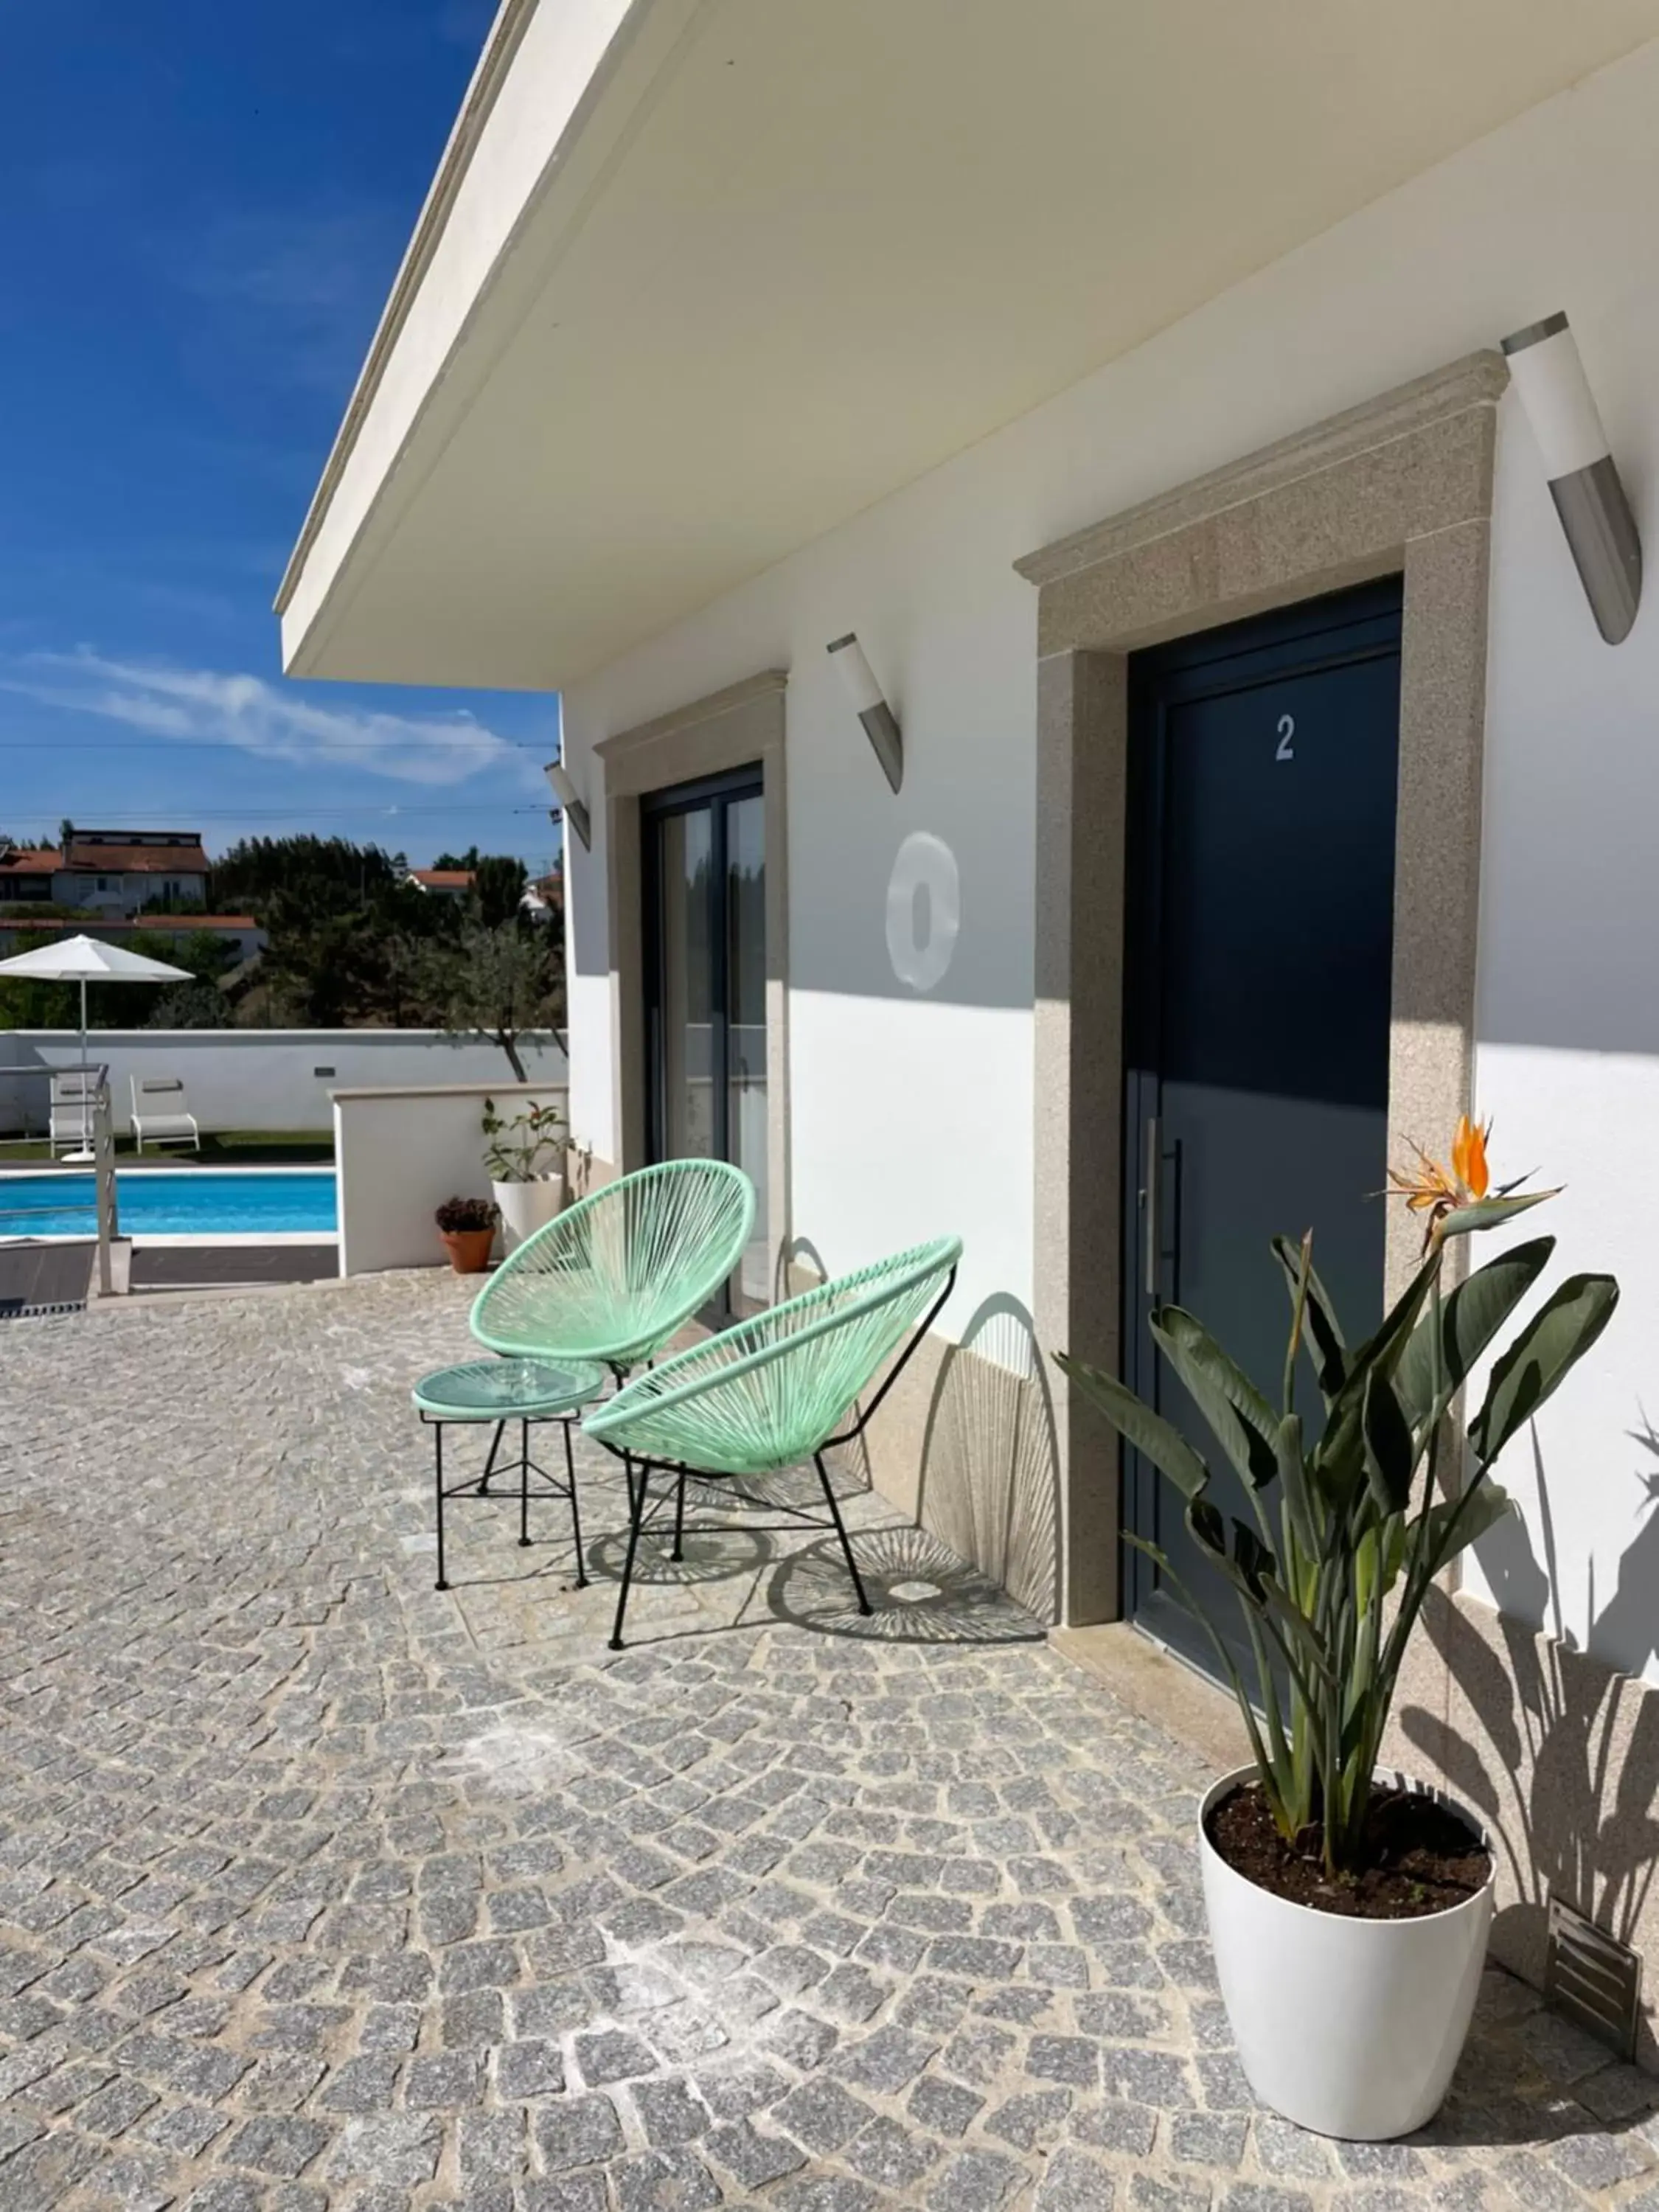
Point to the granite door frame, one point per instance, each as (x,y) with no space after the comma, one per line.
(1401,484)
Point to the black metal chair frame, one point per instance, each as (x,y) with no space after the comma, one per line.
(643,1470)
(548,1483)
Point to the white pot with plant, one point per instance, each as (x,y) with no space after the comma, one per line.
(1349,1907)
(525,1155)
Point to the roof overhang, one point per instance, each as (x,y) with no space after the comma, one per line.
(699,279)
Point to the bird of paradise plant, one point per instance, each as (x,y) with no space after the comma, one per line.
(1440,1192)
(1331,1583)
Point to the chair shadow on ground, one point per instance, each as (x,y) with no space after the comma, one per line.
(921,1592)
(1556,1750)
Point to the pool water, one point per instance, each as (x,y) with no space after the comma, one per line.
(173,1202)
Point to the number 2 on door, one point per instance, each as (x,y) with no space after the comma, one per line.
(1286,732)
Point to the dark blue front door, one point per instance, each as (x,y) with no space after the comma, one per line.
(1263,763)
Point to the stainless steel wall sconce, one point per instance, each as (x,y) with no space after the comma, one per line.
(865,696)
(1583,478)
(570,803)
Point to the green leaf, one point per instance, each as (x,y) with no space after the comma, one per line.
(1336,1467)
(1339,1461)
(1457,1522)
(1389,1452)
(1209,1528)
(1293,1479)
(1245,1561)
(1266,1767)
(1149,1432)
(1296,1629)
(1381,1549)
(1557,1336)
(1244,1423)
(1254,1559)
(1383,1345)
(1325,1338)
(1470,1317)
(1491,1212)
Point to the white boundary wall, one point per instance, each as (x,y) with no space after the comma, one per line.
(256,1078)
(399,1154)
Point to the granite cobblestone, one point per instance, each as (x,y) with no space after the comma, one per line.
(323,1892)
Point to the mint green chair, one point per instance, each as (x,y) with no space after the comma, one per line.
(612,1277)
(767,1394)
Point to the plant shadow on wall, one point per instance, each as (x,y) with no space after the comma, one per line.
(1557,1751)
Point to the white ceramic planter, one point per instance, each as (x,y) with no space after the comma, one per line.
(1349,2028)
(527,1206)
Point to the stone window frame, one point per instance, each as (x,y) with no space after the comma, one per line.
(733,728)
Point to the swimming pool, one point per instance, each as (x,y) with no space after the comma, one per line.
(174,1203)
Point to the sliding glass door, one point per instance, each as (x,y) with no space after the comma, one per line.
(705,925)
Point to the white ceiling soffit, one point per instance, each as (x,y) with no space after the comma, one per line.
(701,278)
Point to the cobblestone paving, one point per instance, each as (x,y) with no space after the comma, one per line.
(318,1889)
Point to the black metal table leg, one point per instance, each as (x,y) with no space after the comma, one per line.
(633,1546)
(523,1482)
(489,1464)
(575,1510)
(438,1457)
(841,1530)
(679,1516)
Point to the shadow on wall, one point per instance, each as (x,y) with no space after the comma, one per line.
(1558,1752)
(989,1485)
(800,1257)
(580,1179)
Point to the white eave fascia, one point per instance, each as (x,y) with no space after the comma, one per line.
(506,36)
(506,33)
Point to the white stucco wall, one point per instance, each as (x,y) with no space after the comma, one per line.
(398,1154)
(914,1112)
(124,891)
(252,1078)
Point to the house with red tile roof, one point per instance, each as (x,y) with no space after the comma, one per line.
(448,882)
(119,872)
(27,872)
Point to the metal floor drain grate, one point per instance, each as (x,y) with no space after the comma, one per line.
(14,1310)
(1593,1977)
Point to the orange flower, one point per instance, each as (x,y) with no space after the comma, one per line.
(1469,1156)
(1438,1191)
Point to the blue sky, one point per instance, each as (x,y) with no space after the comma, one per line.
(203,203)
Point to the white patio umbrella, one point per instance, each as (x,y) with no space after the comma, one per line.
(83,960)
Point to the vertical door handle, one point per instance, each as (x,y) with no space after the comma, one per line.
(1149,1197)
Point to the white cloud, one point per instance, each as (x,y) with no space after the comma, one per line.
(247,715)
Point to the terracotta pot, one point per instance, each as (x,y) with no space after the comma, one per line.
(468,1249)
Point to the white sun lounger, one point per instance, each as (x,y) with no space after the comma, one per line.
(160,1112)
(73,1099)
